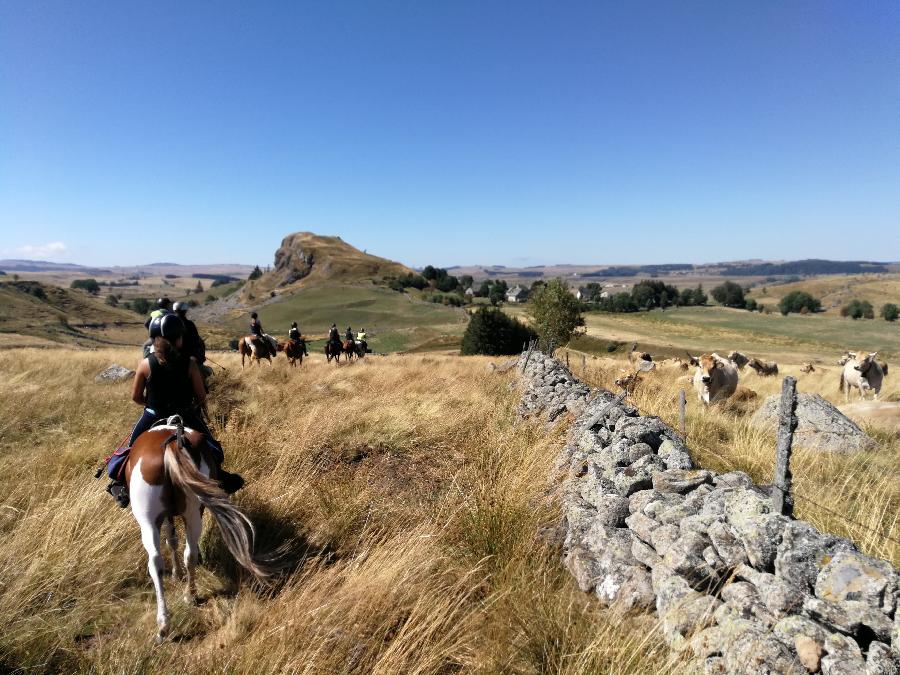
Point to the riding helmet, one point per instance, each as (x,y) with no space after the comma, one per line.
(163,303)
(168,326)
(180,307)
(253,316)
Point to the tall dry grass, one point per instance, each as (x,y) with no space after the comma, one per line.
(854,495)
(405,496)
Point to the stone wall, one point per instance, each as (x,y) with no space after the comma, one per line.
(737,588)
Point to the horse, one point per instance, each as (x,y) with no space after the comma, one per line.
(167,476)
(350,349)
(264,349)
(293,350)
(333,351)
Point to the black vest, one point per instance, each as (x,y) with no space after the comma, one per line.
(169,388)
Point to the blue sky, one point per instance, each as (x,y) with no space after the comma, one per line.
(511,133)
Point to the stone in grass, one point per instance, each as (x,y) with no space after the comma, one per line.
(115,373)
(851,575)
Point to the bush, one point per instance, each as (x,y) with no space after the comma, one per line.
(556,313)
(858,309)
(889,312)
(648,294)
(210,298)
(751,305)
(620,303)
(89,285)
(255,274)
(492,332)
(729,294)
(140,305)
(112,300)
(799,302)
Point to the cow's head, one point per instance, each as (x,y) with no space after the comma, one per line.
(863,363)
(707,365)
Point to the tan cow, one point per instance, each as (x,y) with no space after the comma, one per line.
(807,368)
(865,373)
(716,378)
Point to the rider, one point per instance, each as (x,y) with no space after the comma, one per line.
(294,335)
(256,329)
(168,382)
(333,335)
(361,338)
(163,306)
(348,336)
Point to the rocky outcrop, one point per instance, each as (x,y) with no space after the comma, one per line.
(737,588)
(115,373)
(820,425)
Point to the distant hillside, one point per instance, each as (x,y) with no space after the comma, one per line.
(63,315)
(305,259)
(804,267)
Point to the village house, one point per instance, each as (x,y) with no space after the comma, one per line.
(516,294)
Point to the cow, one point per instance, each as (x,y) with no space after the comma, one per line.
(847,356)
(864,373)
(635,356)
(762,368)
(628,381)
(738,359)
(807,368)
(716,378)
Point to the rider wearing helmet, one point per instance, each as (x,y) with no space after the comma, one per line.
(168,382)
(294,332)
(333,335)
(361,340)
(348,336)
(163,306)
(256,328)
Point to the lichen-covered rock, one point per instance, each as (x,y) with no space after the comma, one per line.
(803,552)
(663,537)
(851,617)
(642,526)
(638,476)
(612,510)
(726,543)
(820,425)
(732,479)
(644,553)
(680,480)
(853,576)
(882,660)
(685,557)
(743,602)
(741,504)
(682,610)
(843,657)
(641,498)
(760,536)
(115,373)
(757,651)
(779,597)
(609,542)
(699,524)
(626,589)
(582,564)
(795,625)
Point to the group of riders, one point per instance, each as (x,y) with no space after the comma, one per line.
(171,380)
(259,339)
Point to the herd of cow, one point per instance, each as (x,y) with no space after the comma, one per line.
(716,377)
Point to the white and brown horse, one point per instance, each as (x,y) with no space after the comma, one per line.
(256,348)
(168,476)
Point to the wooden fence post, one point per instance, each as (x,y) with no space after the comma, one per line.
(782,499)
(567,359)
(583,364)
(682,403)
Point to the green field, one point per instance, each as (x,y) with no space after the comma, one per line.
(395,321)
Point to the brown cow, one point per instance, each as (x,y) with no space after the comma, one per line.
(738,359)
(716,378)
(763,368)
(807,368)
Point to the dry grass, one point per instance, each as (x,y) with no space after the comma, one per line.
(407,496)
(857,496)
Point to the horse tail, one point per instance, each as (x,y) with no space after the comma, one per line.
(237,530)
(841,385)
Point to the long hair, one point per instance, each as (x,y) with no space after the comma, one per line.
(163,349)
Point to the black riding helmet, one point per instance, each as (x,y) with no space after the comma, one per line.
(293,324)
(163,303)
(168,326)
(253,315)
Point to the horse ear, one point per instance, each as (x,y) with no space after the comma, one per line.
(873,354)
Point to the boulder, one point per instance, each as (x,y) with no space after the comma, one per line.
(758,651)
(680,480)
(820,425)
(882,660)
(804,551)
(115,373)
(853,576)
(851,617)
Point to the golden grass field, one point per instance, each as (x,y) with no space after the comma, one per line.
(409,498)
(836,290)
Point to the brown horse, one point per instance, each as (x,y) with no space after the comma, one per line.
(293,350)
(333,351)
(263,349)
(168,476)
(350,349)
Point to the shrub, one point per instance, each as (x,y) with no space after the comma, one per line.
(210,298)
(112,300)
(556,313)
(649,294)
(729,294)
(140,305)
(255,274)
(492,332)
(858,309)
(89,285)
(800,302)
(889,312)
(751,305)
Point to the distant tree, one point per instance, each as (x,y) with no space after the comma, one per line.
(650,293)
(140,305)
(466,281)
(496,295)
(889,312)
(112,300)
(446,282)
(555,312)
(751,305)
(89,285)
(700,298)
(210,298)
(255,274)
(492,332)
(589,292)
(198,288)
(729,294)
(619,303)
(430,273)
(858,309)
(800,302)
(484,289)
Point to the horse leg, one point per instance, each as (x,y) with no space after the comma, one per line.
(193,525)
(150,539)
(172,540)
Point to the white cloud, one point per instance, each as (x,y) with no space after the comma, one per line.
(52,249)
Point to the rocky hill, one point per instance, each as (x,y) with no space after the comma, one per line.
(305,259)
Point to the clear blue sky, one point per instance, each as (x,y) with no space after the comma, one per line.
(452,132)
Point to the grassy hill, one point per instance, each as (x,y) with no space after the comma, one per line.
(50,313)
(837,291)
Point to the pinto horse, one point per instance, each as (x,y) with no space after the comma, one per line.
(293,350)
(350,349)
(333,351)
(168,475)
(264,350)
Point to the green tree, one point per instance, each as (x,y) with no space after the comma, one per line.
(858,309)
(492,332)
(140,305)
(466,281)
(89,285)
(729,294)
(112,300)
(255,274)
(556,313)
(700,298)
(198,288)
(889,312)
(799,302)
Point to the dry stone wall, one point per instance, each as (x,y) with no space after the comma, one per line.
(737,588)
